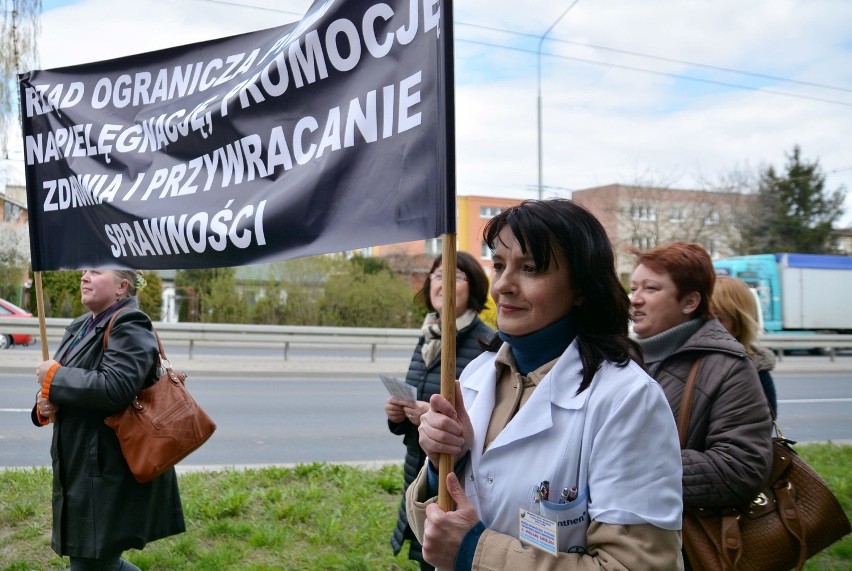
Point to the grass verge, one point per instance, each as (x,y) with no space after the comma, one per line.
(311,517)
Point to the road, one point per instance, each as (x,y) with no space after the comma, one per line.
(297,419)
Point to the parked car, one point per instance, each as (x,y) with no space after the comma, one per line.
(10,311)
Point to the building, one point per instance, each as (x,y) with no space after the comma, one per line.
(472,212)
(843,241)
(644,217)
(13,192)
(14,234)
(631,215)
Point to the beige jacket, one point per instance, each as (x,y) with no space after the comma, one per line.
(611,547)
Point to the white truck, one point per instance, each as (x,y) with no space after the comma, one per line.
(797,292)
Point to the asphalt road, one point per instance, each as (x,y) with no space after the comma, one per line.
(299,419)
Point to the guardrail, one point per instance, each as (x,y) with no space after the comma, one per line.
(284,336)
(287,336)
(827,342)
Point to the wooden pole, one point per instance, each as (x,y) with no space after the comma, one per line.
(448,354)
(42,326)
(446,79)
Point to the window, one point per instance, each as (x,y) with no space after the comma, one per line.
(643,242)
(642,211)
(11,212)
(487,254)
(489,211)
(677,213)
(713,216)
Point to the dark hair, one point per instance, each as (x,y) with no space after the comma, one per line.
(688,265)
(477,282)
(544,226)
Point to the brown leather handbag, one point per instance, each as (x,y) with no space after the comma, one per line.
(792,519)
(163,423)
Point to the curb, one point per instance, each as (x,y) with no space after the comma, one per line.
(25,362)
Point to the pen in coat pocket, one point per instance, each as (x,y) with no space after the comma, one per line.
(543,491)
(568,495)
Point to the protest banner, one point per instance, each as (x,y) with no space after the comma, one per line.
(332,133)
(323,135)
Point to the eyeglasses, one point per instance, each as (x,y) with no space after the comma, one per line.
(438,277)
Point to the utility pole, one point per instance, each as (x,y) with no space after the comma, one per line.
(538,52)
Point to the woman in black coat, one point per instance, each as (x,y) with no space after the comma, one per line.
(424,373)
(99,510)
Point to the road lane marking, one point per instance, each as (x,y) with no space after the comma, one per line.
(807,401)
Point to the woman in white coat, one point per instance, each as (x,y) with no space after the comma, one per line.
(566,451)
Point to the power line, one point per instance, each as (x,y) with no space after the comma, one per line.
(663,58)
(267,9)
(620,66)
(663,73)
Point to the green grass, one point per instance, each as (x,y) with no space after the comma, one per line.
(314,516)
(311,517)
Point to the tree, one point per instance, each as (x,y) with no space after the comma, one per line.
(18,52)
(792,212)
(14,259)
(361,299)
(211,295)
(61,294)
(651,216)
(650,213)
(151,296)
(290,291)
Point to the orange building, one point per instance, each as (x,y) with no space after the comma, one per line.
(472,212)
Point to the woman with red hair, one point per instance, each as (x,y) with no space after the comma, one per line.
(728,451)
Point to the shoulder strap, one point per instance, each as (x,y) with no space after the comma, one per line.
(109,329)
(164,361)
(160,345)
(109,326)
(686,402)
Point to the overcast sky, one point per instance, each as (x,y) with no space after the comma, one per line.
(648,91)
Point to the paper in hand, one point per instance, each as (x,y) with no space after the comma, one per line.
(398,388)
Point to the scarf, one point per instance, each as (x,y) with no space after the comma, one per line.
(431,331)
(91,322)
(659,347)
(534,350)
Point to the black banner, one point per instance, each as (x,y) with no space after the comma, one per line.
(320,136)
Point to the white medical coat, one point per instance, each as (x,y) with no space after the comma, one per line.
(616,441)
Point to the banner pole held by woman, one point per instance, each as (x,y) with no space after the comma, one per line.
(448,355)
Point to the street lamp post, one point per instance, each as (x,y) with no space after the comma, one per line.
(538,52)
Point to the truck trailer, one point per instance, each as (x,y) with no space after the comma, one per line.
(797,292)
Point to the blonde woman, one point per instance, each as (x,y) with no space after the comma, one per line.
(736,307)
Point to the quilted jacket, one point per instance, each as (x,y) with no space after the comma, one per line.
(728,452)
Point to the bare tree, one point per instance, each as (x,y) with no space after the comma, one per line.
(650,215)
(740,184)
(18,52)
(14,257)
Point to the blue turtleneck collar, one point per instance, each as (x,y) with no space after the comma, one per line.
(535,349)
